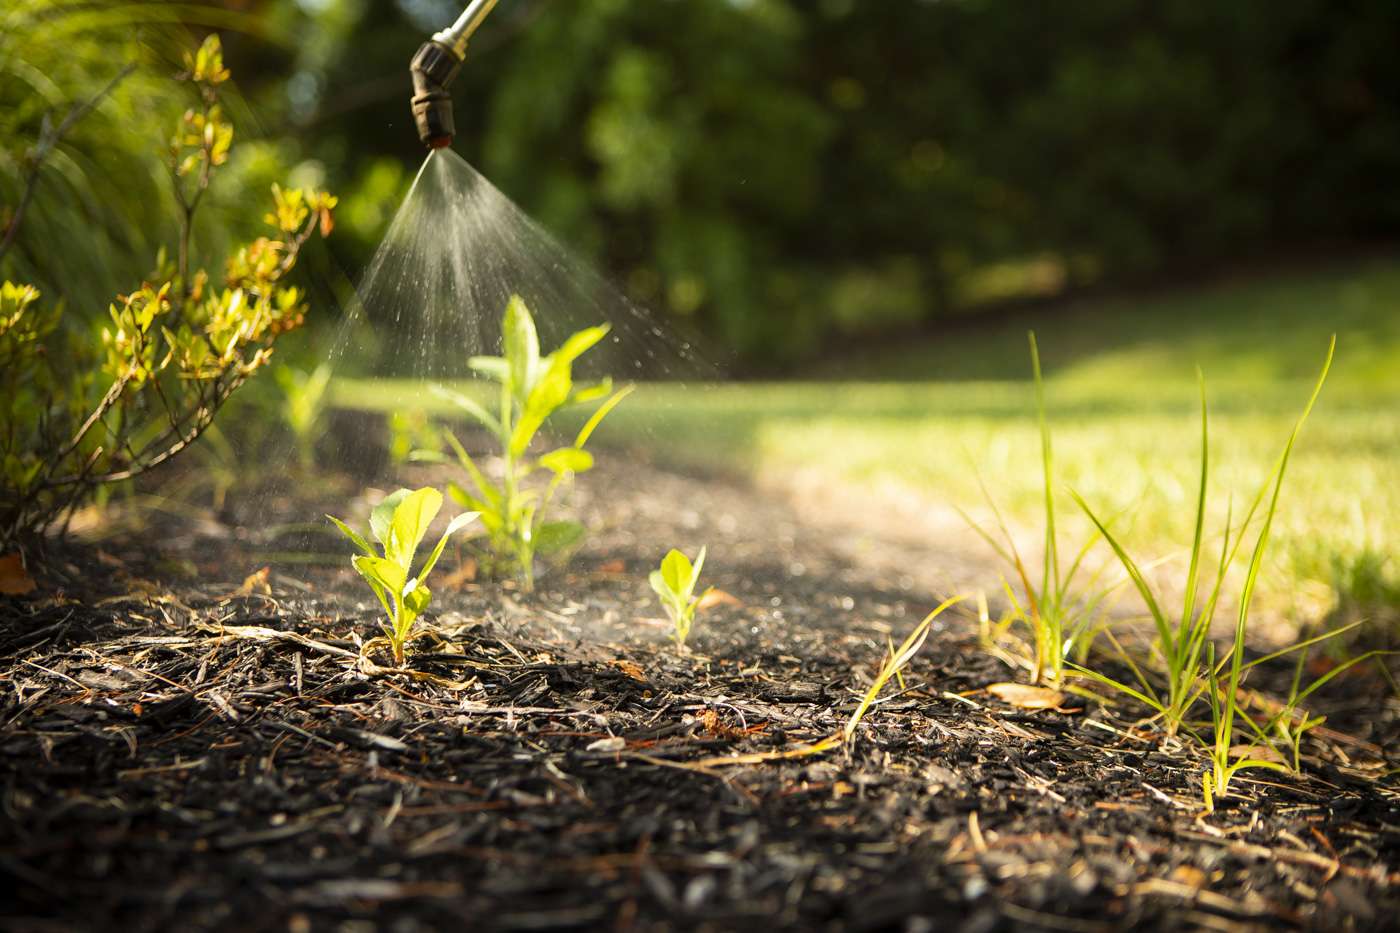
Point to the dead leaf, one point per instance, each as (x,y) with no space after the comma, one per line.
(715,725)
(631,669)
(714,597)
(1257,752)
(1026,696)
(14,579)
(464,574)
(256,582)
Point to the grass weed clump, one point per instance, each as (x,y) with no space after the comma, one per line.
(1184,657)
(399,524)
(1059,617)
(531,389)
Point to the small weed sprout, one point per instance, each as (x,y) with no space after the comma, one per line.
(410,432)
(399,524)
(675,584)
(303,407)
(1289,721)
(1061,619)
(895,663)
(532,388)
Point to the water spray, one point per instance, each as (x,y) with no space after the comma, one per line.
(434,67)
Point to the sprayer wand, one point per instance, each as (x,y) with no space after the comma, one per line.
(434,66)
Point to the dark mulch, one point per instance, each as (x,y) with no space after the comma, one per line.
(188,755)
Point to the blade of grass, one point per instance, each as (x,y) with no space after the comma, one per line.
(896,663)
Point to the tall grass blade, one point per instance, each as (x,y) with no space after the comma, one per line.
(1257,558)
(1047,459)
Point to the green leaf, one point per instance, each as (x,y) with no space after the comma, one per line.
(676,571)
(457,524)
(411,520)
(381,571)
(549,393)
(1119,686)
(492,367)
(417,598)
(584,394)
(578,344)
(661,588)
(471,406)
(355,537)
(484,486)
(382,515)
(567,460)
(522,347)
(556,537)
(597,417)
(465,499)
(695,572)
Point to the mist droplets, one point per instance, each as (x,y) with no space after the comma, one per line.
(456,252)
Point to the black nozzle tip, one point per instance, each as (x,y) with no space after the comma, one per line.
(433,68)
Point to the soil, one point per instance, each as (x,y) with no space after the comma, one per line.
(205,751)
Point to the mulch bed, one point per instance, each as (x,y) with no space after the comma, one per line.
(210,754)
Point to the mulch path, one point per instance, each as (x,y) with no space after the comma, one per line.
(207,754)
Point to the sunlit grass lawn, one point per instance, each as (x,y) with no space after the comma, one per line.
(1124,410)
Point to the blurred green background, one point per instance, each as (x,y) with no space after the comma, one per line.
(786,174)
(873,200)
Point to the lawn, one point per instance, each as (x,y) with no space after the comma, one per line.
(924,422)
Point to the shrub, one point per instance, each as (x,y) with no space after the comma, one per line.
(78,414)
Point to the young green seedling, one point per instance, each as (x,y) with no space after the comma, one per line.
(531,389)
(674,584)
(303,407)
(399,524)
(1290,720)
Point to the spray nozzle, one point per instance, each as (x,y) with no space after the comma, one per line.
(434,66)
(433,69)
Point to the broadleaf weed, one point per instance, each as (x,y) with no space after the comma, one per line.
(531,388)
(674,584)
(399,524)
(302,408)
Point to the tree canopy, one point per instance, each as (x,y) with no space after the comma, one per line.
(786,172)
